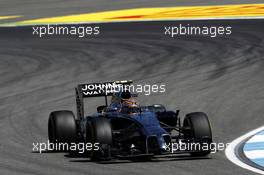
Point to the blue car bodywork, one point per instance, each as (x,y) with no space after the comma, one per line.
(147,122)
(146,132)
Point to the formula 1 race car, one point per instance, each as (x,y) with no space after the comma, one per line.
(125,130)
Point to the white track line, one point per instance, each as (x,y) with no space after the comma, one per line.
(230,151)
(256,154)
(256,139)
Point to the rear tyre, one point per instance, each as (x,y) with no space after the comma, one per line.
(62,127)
(198,130)
(99,132)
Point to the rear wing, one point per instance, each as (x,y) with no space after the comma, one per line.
(101,89)
(97,90)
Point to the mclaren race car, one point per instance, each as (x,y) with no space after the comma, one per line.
(124,129)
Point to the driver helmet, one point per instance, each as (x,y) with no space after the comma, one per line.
(130,106)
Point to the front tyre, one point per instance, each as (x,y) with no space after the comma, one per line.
(62,127)
(198,130)
(99,131)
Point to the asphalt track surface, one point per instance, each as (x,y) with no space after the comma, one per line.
(221,76)
(30,9)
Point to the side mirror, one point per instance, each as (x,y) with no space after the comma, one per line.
(101,108)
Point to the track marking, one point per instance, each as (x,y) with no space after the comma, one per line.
(8,17)
(231,148)
(254,146)
(254,149)
(166,13)
(254,154)
(256,139)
